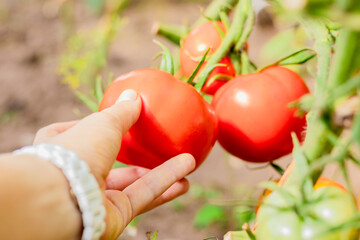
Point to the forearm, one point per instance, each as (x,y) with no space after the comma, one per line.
(35,201)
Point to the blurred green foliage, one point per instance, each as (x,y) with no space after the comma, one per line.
(83,65)
(209,214)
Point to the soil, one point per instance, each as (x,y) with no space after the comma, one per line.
(32,95)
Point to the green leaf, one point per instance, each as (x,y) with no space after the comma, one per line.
(299,57)
(282,191)
(209,214)
(90,103)
(167,63)
(300,173)
(243,214)
(277,168)
(345,90)
(154,236)
(99,93)
(192,76)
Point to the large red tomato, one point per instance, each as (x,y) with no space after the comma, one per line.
(174,119)
(195,45)
(255,122)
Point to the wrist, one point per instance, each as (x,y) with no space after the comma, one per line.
(82,183)
(38,200)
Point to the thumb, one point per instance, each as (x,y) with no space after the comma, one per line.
(125,112)
(97,137)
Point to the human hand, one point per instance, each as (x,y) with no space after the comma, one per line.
(130,191)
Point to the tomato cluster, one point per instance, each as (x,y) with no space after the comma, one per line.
(201,39)
(249,114)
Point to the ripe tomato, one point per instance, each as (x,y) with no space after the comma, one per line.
(331,206)
(195,45)
(174,119)
(255,122)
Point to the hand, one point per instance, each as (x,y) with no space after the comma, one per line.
(128,191)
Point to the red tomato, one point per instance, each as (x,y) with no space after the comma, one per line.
(255,122)
(174,119)
(195,45)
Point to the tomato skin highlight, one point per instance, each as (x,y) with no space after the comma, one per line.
(195,45)
(174,119)
(255,122)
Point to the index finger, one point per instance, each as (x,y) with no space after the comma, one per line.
(146,189)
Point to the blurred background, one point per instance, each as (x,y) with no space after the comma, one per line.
(52,52)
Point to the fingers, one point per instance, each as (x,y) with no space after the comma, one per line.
(148,188)
(177,189)
(52,130)
(119,209)
(158,186)
(119,179)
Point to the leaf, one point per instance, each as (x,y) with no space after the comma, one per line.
(91,104)
(154,236)
(277,168)
(99,93)
(243,214)
(167,63)
(192,76)
(299,57)
(209,214)
(282,191)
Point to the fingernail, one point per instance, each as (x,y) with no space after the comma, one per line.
(127,95)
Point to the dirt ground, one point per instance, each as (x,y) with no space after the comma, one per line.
(32,95)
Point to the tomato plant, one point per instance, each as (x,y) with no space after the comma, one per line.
(255,121)
(329,207)
(201,39)
(174,119)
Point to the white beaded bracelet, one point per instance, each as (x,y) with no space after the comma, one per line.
(82,182)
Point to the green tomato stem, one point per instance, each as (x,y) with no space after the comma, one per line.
(212,11)
(237,26)
(247,30)
(236,62)
(245,63)
(174,33)
(346,53)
